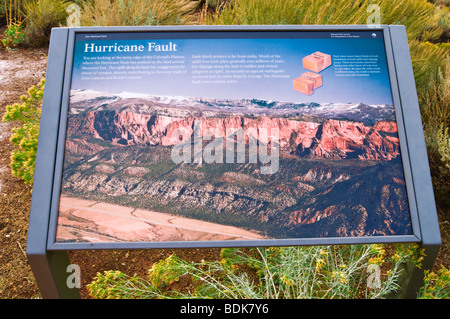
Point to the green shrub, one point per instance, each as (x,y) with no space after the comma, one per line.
(216,4)
(268,273)
(436,285)
(434,101)
(443,141)
(11,12)
(14,36)
(431,64)
(428,60)
(420,17)
(139,12)
(115,284)
(41,16)
(434,95)
(164,272)
(438,144)
(25,137)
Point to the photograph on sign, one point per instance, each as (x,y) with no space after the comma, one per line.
(172,138)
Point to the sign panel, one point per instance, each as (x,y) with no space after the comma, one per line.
(236,137)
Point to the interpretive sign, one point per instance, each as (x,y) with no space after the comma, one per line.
(228,136)
(233,137)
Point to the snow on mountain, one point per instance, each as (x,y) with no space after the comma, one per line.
(344,111)
(84,95)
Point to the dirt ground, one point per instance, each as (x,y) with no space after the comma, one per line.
(19,70)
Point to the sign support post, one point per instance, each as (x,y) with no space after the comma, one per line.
(49,267)
(423,188)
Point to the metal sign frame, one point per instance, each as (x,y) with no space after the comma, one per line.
(48,258)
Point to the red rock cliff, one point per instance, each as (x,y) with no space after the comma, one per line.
(331,139)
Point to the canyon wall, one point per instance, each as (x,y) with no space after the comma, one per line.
(334,139)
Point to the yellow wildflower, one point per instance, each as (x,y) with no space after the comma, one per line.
(323,252)
(340,276)
(378,260)
(343,278)
(287,281)
(396,257)
(378,249)
(320,263)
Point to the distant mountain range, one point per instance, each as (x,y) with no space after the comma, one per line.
(151,120)
(360,112)
(340,173)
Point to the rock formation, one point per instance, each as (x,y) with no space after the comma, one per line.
(334,139)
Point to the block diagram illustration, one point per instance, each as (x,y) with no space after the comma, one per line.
(311,80)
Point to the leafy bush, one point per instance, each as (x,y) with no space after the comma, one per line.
(431,63)
(352,271)
(41,16)
(11,12)
(25,137)
(436,285)
(443,141)
(421,18)
(114,284)
(139,12)
(434,97)
(216,4)
(14,36)
(438,144)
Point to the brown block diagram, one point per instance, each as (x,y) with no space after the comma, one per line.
(317,61)
(316,78)
(304,85)
(309,81)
